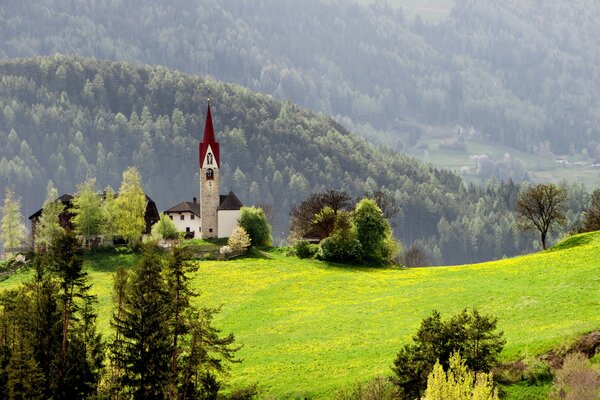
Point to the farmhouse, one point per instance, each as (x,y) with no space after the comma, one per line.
(151,215)
(216,215)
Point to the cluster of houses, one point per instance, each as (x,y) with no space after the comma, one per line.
(214,216)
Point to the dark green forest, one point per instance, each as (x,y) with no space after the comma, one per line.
(521,73)
(64,118)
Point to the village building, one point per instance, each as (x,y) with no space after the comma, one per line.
(151,215)
(216,215)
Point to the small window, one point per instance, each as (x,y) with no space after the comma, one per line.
(170,216)
(210,230)
(182,217)
(210,174)
(187,229)
(192,216)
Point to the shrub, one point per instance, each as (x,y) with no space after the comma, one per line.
(225,251)
(576,380)
(303,249)
(378,388)
(239,241)
(415,256)
(338,248)
(254,221)
(372,229)
(164,229)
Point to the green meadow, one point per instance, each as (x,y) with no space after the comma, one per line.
(309,328)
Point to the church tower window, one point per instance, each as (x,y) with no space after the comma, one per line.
(210,174)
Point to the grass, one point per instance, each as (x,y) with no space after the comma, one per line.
(309,328)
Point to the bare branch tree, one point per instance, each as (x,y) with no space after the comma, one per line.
(386,202)
(303,214)
(541,207)
(592,215)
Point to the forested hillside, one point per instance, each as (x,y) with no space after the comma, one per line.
(519,72)
(63,118)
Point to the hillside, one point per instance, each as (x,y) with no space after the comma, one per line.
(65,117)
(517,73)
(310,328)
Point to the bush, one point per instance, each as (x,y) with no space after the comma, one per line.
(415,256)
(239,241)
(378,388)
(254,222)
(338,248)
(303,249)
(576,380)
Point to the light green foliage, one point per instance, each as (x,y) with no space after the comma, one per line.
(459,383)
(131,206)
(12,229)
(48,226)
(110,213)
(374,232)
(164,229)
(254,222)
(86,207)
(239,241)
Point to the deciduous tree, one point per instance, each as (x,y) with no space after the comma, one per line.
(592,215)
(48,226)
(131,205)
(254,222)
(303,214)
(12,229)
(87,217)
(542,208)
(165,228)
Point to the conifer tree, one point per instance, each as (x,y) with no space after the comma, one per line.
(86,209)
(131,203)
(12,229)
(145,347)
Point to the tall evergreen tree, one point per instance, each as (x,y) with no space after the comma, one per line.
(146,345)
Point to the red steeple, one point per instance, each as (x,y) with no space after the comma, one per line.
(209,140)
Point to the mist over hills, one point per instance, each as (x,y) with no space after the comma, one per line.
(520,73)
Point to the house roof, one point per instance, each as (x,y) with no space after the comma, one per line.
(66,199)
(209,140)
(230,202)
(186,206)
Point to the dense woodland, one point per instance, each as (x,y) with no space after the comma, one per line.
(64,118)
(519,72)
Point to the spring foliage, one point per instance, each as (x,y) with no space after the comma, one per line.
(12,229)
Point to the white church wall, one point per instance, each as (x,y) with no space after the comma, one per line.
(228,220)
(186,222)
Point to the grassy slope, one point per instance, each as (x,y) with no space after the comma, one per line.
(309,327)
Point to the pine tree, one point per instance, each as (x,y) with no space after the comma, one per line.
(86,209)
(12,229)
(131,203)
(145,347)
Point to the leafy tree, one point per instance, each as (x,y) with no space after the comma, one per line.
(459,383)
(415,256)
(542,208)
(304,215)
(239,241)
(87,217)
(372,230)
(12,229)
(386,202)
(131,205)
(48,227)
(110,213)
(254,222)
(165,228)
(592,215)
(469,333)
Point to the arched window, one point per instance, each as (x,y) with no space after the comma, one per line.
(209,158)
(209,174)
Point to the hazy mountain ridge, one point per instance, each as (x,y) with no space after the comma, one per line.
(63,117)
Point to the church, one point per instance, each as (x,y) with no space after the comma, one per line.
(216,215)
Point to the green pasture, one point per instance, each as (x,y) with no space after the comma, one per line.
(309,328)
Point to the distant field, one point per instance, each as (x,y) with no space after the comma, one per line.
(309,328)
(432,10)
(542,169)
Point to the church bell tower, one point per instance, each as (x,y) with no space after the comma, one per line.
(209,180)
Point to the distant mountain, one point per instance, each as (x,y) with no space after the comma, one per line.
(518,72)
(63,118)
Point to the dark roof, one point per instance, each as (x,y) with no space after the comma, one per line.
(186,206)
(66,199)
(230,202)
